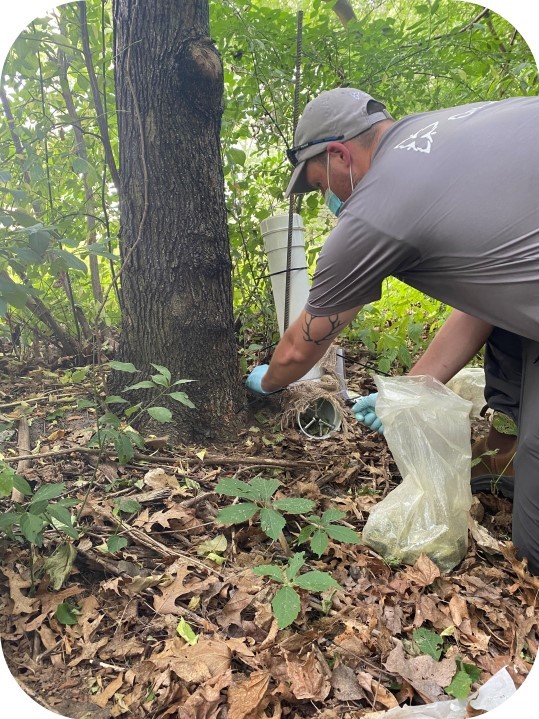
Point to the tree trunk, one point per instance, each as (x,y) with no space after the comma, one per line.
(176,296)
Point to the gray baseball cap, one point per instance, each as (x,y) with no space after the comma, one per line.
(334,115)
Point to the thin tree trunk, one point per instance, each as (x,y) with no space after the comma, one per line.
(80,148)
(102,120)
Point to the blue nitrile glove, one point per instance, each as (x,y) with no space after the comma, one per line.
(364,411)
(254,380)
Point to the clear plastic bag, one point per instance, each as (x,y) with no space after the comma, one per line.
(427,429)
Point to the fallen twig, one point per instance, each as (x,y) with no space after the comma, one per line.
(141,538)
(23,445)
(161,459)
(51,397)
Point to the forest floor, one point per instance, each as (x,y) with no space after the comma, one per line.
(175,623)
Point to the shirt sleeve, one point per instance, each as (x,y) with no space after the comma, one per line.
(352,264)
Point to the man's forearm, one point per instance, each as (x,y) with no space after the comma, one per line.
(288,365)
(456,342)
(303,344)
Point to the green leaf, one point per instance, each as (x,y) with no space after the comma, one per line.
(123,367)
(58,566)
(263,489)
(132,410)
(460,686)
(6,484)
(124,447)
(471,670)
(295,563)
(269,570)
(272,522)
(319,542)
(145,384)
(286,606)
(183,398)
(215,545)
(49,491)
(161,414)
(231,487)
(115,399)
(110,418)
(237,156)
(186,632)
(83,167)
(237,513)
(60,513)
(70,260)
(129,506)
(102,251)
(39,242)
(27,257)
(428,642)
(163,370)
(31,527)
(332,515)
(305,533)
(343,534)
(295,505)
(116,543)
(13,293)
(316,581)
(66,614)
(7,520)
(160,380)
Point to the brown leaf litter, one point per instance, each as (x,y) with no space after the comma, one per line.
(347,655)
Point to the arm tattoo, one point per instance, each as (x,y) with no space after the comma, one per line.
(334,329)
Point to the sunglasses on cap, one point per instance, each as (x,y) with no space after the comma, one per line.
(291,152)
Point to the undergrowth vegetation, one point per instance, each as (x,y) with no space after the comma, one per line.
(59,228)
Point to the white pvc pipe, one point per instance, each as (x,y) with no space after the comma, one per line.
(275,236)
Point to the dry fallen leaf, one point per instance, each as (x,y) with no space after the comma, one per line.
(21,603)
(427,676)
(345,685)
(248,699)
(158,479)
(308,677)
(103,697)
(424,571)
(206,701)
(194,664)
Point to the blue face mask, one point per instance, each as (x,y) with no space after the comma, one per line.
(333,203)
(330,198)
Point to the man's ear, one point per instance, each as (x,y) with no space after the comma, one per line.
(340,150)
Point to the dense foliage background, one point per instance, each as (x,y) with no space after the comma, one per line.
(58,144)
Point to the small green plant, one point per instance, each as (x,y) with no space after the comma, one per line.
(259,495)
(126,506)
(117,429)
(27,521)
(286,602)
(433,644)
(320,529)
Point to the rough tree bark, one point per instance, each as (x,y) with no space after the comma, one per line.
(176,296)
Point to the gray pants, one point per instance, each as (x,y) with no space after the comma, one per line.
(512,387)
